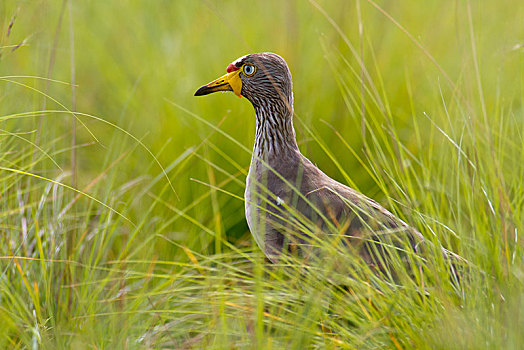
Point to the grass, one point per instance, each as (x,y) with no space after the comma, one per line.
(133,235)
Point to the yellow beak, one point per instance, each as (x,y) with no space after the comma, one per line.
(229,82)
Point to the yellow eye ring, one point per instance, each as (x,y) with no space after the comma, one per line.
(249,69)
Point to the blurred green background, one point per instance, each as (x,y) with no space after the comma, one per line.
(435,71)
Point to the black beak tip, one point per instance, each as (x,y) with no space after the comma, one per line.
(203,90)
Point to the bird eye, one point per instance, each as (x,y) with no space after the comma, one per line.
(249,70)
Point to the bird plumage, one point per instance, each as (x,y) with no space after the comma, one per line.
(289,202)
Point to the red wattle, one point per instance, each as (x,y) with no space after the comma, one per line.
(231,68)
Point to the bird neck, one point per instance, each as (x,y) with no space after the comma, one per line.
(275,135)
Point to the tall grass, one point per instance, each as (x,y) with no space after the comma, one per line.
(420,109)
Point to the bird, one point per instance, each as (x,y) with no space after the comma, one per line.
(291,206)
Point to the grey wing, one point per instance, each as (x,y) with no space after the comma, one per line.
(365,227)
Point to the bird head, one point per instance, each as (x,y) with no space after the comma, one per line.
(260,77)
